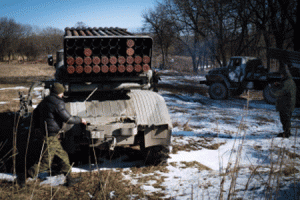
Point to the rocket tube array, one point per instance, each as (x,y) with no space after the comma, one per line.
(106,55)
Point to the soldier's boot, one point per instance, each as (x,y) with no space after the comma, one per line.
(21,180)
(72,181)
(284,134)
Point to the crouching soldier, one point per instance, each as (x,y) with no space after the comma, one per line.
(49,117)
(285,101)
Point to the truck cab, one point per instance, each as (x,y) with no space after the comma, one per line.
(242,72)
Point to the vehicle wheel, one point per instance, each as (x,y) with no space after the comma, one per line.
(268,96)
(237,92)
(156,155)
(218,91)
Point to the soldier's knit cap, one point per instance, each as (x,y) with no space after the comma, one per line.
(57,88)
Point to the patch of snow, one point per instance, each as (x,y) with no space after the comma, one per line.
(249,142)
(54,180)
(14,88)
(7,177)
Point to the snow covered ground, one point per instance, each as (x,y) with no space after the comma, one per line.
(247,133)
(221,149)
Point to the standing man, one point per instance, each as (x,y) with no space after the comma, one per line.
(155,79)
(285,101)
(49,117)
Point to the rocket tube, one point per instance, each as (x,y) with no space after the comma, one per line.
(104,68)
(96,69)
(121,60)
(146,67)
(87,52)
(113,68)
(138,68)
(79,61)
(79,69)
(146,59)
(96,60)
(130,43)
(87,60)
(121,68)
(129,68)
(70,69)
(87,69)
(113,60)
(104,60)
(138,59)
(130,60)
(130,51)
(70,61)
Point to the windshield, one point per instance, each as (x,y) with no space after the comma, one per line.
(234,62)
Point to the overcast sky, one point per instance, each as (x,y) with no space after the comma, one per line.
(65,13)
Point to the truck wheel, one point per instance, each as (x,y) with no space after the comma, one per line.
(237,92)
(218,91)
(268,96)
(156,155)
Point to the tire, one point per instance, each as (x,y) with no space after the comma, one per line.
(218,91)
(268,96)
(237,92)
(156,155)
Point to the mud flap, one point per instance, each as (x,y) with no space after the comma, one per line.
(157,135)
(156,145)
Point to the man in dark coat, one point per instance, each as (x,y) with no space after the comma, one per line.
(285,101)
(49,117)
(154,80)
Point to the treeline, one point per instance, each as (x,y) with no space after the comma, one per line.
(214,30)
(25,42)
(208,31)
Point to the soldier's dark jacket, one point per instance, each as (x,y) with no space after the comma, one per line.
(286,95)
(52,111)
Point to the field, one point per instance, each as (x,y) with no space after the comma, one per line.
(18,77)
(220,149)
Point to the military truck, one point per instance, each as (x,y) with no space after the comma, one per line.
(107,73)
(248,73)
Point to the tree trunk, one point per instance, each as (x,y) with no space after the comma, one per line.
(297,30)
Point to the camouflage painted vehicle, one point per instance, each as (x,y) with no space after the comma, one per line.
(106,73)
(248,73)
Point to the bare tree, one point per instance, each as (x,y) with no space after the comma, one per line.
(80,25)
(270,17)
(29,48)
(202,23)
(187,15)
(291,10)
(10,32)
(51,39)
(157,21)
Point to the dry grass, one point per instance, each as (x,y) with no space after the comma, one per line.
(178,63)
(179,89)
(270,177)
(25,70)
(100,185)
(263,119)
(214,146)
(15,74)
(185,147)
(93,186)
(253,95)
(194,164)
(149,169)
